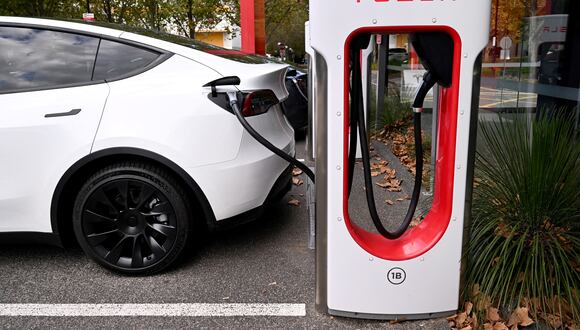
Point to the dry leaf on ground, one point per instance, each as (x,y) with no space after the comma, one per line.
(390,202)
(523,317)
(294,202)
(296,171)
(415,222)
(493,314)
(554,321)
(461,318)
(297,181)
(500,326)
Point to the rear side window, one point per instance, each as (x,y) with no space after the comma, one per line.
(116,60)
(36,58)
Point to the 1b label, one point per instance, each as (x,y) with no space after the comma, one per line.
(396,276)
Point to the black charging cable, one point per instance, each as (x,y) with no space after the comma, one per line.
(233,99)
(357,122)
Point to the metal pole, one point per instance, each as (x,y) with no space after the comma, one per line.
(88,6)
(381,80)
(434,128)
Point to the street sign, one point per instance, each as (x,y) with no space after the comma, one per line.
(506,43)
(88,17)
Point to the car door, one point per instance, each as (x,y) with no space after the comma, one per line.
(49,113)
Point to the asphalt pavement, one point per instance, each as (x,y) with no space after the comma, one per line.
(267,261)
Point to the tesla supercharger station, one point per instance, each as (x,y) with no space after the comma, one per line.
(362,273)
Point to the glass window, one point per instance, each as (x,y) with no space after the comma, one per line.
(35,58)
(230,54)
(116,59)
(530,65)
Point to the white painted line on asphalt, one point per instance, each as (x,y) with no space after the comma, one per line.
(152,310)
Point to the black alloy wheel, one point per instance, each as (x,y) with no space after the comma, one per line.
(132,218)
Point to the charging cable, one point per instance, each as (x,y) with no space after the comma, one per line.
(233,99)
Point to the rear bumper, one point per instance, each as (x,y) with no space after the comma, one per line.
(244,183)
(282,186)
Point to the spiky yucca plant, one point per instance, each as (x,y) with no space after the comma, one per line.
(524,245)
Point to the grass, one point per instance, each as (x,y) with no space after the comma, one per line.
(396,109)
(525,234)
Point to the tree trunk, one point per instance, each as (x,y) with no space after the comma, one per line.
(152,14)
(109,11)
(38,8)
(122,12)
(190,21)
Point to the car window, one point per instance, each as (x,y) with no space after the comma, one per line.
(36,58)
(117,59)
(230,54)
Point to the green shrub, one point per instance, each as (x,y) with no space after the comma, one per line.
(396,109)
(525,233)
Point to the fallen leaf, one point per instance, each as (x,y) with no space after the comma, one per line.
(296,171)
(297,181)
(294,202)
(523,316)
(573,326)
(493,314)
(554,321)
(390,202)
(396,183)
(468,307)
(415,222)
(513,320)
(467,328)
(380,164)
(225,298)
(500,326)
(461,318)
(375,174)
(273,283)
(400,199)
(487,326)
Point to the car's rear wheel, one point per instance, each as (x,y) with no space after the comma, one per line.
(132,218)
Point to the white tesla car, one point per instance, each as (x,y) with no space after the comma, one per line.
(110,138)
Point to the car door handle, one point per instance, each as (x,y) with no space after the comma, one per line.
(63,114)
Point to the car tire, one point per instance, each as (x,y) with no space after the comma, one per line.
(132,218)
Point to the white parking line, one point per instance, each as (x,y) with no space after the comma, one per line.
(152,310)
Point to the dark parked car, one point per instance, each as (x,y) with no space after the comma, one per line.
(296,106)
(398,54)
